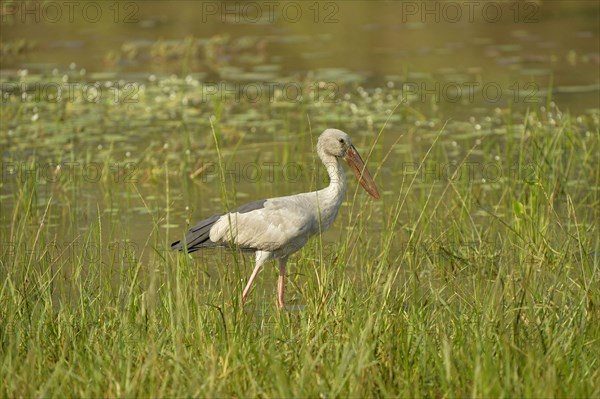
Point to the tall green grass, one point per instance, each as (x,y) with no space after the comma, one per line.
(438,290)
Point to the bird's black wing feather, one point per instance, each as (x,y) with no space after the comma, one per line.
(199,235)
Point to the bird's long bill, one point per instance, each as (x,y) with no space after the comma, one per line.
(360,171)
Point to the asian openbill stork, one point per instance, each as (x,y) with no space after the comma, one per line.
(275,228)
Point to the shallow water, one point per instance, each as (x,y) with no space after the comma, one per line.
(104,115)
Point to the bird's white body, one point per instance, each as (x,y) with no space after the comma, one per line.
(276,228)
(284,224)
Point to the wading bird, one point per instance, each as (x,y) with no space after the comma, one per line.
(277,227)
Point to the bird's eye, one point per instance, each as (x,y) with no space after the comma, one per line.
(342,141)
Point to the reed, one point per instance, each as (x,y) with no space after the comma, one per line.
(411,296)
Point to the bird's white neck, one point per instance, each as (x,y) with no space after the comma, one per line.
(330,198)
(337,177)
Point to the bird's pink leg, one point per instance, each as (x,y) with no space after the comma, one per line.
(249,285)
(261,258)
(280,282)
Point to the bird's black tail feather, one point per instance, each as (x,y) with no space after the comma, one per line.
(198,236)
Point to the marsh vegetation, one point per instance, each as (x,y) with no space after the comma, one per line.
(476,273)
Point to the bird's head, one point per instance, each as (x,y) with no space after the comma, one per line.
(334,142)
